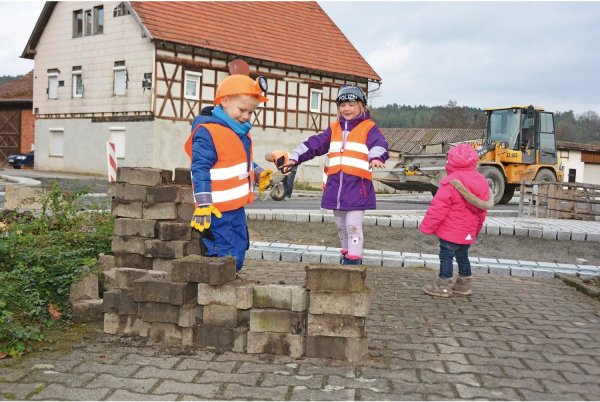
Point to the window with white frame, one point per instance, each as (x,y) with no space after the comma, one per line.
(52,85)
(192,85)
(77,82)
(315,100)
(117,137)
(88,22)
(120,78)
(57,141)
(120,10)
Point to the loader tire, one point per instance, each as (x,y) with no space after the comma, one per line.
(509,192)
(495,180)
(545,175)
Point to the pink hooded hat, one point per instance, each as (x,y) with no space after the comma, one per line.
(463,157)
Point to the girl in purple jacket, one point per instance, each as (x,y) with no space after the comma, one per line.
(354,146)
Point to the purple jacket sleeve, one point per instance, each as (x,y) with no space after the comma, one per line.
(438,209)
(315,145)
(378,146)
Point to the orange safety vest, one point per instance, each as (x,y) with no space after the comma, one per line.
(353,156)
(232,180)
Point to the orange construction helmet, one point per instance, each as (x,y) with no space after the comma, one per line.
(239,84)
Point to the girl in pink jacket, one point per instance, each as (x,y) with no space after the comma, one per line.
(455,221)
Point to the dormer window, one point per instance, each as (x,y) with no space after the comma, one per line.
(120,10)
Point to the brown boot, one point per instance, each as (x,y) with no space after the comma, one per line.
(463,286)
(441,287)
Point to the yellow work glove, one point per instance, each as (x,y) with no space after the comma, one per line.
(264,179)
(202,216)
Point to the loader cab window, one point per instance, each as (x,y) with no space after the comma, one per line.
(547,138)
(527,132)
(503,126)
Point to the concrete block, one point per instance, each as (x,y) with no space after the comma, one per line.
(595,237)
(271,254)
(132,260)
(182,176)
(328,218)
(165,249)
(105,262)
(317,248)
(544,273)
(528,263)
(185,212)
(479,268)
(192,247)
(521,271)
(163,194)
(349,278)
(289,217)
(128,192)
(160,289)
(144,176)
(370,220)
(159,312)
(311,257)
(357,304)
(85,288)
(508,262)
(276,343)
(128,244)
(134,227)
(536,233)
(289,297)
(371,260)
(119,302)
(127,209)
(345,326)
(492,230)
(186,195)
(432,264)
(23,198)
(578,236)
(162,332)
(549,234)
(275,320)
(397,262)
(414,262)
(291,255)
(396,222)
(546,264)
(302,217)
(570,266)
(190,314)
(254,254)
(125,277)
(162,264)
(162,211)
(507,230)
(174,231)
(237,293)
(503,270)
(221,337)
(331,258)
(224,316)
(87,311)
(521,231)
(315,217)
(115,323)
(200,269)
(411,223)
(383,221)
(563,235)
(333,347)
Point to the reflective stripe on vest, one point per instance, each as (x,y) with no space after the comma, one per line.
(232,179)
(353,156)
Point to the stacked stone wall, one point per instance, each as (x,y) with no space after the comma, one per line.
(162,289)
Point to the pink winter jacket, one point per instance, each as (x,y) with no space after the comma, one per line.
(449,216)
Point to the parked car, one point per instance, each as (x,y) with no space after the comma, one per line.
(19,160)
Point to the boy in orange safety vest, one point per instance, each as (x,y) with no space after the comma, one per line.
(223,170)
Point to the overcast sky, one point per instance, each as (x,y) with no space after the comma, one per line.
(479,54)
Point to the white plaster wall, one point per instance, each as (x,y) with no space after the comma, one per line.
(122,40)
(573,162)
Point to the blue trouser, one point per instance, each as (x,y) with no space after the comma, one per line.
(448,251)
(229,236)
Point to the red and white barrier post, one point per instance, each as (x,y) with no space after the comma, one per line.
(112,161)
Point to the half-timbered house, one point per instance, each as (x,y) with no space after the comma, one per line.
(16,117)
(137,73)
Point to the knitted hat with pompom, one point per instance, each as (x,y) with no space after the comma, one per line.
(463,157)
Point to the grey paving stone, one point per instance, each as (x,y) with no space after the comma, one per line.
(370,220)
(397,262)
(218,366)
(209,377)
(204,391)
(317,248)
(311,257)
(500,270)
(383,221)
(313,381)
(315,217)
(468,392)
(396,222)
(179,374)
(279,245)
(545,264)
(254,253)
(508,262)
(302,217)
(595,237)
(236,391)
(578,236)
(535,233)
(543,273)
(261,243)
(271,255)
(330,258)
(140,360)
(373,384)
(563,235)
(528,263)
(9,390)
(367,395)
(59,391)
(289,217)
(521,271)
(291,255)
(521,231)
(67,379)
(372,260)
(492,230)
(507,230)
(549,234)
(479,269)
(130,384)
(93,367)
(328,218)
(411,223)
(302,393)
(123,395)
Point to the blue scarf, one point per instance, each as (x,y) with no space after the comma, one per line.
(237,127)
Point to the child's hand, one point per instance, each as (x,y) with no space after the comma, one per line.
(376,163)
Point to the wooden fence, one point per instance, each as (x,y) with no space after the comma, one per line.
(560,200)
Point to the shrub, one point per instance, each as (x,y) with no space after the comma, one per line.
(40,256)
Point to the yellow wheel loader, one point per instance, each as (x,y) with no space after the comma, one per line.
(518,144)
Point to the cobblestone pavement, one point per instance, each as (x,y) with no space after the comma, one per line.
(514,339)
